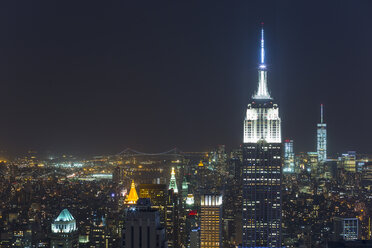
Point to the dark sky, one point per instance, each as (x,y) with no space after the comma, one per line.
(99,76)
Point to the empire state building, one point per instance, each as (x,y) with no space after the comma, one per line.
(262,166)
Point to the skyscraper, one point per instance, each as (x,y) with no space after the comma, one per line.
(158,196)
(64,231)
(322,138)
(173,212)
(172,181)
(348,161)
(262,166)
(210,221)
(288,157)
(172,219)
(142,226)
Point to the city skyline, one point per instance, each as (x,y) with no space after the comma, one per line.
(172,125)
(70,91)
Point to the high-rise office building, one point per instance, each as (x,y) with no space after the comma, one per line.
(345,228)
(158,196)
(173,213)
(195,238)
(313,163)
(99,235)
(64,231)
(192,233)
(210,221)
(348,161)
(261,211)
(367,174)
(142,227)
(172,219)
(321,138)
(289,157)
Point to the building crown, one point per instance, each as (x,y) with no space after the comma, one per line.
(133,196)
(262,91)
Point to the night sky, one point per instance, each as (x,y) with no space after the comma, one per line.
(96,77)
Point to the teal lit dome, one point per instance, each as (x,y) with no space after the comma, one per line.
(65,215)
(64,223)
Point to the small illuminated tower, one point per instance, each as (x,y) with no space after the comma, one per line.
(322,138)
(64,231)
(288,157)
(132,196)
(172,182)
(172,213)
(262,166)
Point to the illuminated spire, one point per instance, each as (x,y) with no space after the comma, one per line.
(262,91)
(321,113)
(172,182)
(262,46)
(133,196)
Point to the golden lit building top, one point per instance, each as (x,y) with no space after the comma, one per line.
(201,164)
(133,196)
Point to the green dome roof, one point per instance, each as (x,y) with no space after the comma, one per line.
(65,215)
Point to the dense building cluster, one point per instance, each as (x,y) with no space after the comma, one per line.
(318,200)
(261,194)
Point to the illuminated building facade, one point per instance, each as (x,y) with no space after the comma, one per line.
(313,162)
(64,231)
(185,190)
(348,161)
(322,138)
(289,157)
(99,236)
(210,221)
(367,174)
(261,212)
(158,196)
(172,181)
(346,229)
(172,214)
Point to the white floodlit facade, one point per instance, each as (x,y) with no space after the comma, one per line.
(322,138)
(262,123)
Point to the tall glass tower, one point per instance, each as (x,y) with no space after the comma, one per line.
(322,138)
(288,157)
(262,166)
